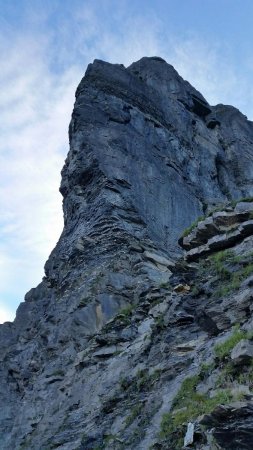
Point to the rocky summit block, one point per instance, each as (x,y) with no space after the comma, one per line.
(109,351)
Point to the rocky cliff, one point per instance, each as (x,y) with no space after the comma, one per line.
(140,334)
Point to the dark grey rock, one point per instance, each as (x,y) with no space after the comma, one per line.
(232,425)
(242,353)
(100,347)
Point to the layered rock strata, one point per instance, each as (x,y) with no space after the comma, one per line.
(100,351)
(220,230)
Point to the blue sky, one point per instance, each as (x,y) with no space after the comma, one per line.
(45,47)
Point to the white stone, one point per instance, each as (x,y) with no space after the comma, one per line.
(188,439)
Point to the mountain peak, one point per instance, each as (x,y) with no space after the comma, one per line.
(99,349)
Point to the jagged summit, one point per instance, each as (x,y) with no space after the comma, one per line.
(99,349)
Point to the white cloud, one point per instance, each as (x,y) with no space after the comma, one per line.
(36,108)
(6,315)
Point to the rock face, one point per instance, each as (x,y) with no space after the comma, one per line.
(100,351)
(221,230)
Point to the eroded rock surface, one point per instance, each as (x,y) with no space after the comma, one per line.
(100,349)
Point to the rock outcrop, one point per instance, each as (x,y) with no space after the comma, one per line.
(125,344)
(220,230)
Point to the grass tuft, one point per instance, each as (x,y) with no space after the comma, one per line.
(188,230)
(223,349)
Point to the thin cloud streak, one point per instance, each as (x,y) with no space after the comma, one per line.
(34,126)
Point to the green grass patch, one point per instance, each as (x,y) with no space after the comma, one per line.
(206,369)
(234,281)
(221,257)
(230,375)
(245,376)
(186,391)
(135,412)
(127,311)
(223,349)
(187,406)
(192,226)
(125,314)
(217,263)
(243,199)
(160,322)
(222,265)
(143,381)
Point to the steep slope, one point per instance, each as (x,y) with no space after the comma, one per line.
(99,349)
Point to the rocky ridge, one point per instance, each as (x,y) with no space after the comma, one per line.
(127,343)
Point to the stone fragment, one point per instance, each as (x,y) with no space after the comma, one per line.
(161,260)
(189,437)
(244,206)
(242,353)
(240,390)
(182,288)
(159,308)
(189,346)
(246,228)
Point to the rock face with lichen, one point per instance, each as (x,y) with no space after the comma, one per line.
(128,343)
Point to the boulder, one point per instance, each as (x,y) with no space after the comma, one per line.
(244,206)
(231,425)
(242,353)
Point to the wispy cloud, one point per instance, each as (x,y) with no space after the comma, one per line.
(36,108)
(42,67)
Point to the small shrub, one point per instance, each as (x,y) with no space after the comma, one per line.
(245,376)
(226,376)
(195,290)
(160,323)
(135,412)
(125,314)
(142,381)
(127,311)
(155,376)
(206,370)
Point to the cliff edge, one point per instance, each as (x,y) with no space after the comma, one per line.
(139,337)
